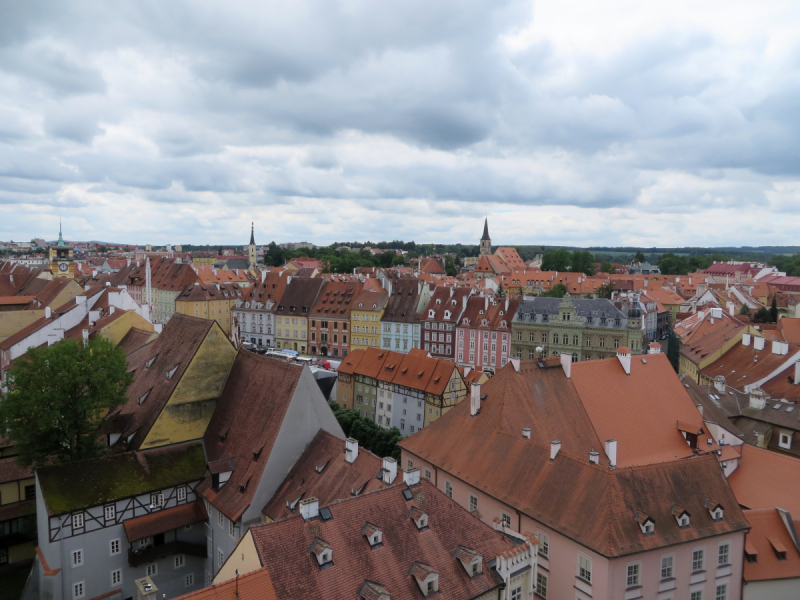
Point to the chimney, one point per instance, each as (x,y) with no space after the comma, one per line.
(611,452)
(780,347)
(624,356)
(309,508)
(655,348)
(555,446)
(389,470)
(719,383)
(526,433)
(47,312)
(760,440)
(758,400)
(485,303)
(515,363)
(566,363)
(475,399)
(350,450)
(746,339)
(700,409)
(464,299)
(452,291)
(797,372)
(80,299)
(411,476)
(111,309)
(594,458)
(758,342)
(506,309)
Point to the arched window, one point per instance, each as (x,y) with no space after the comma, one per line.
(574,340)
(565,339)
(555,338)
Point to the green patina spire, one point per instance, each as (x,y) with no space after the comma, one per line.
(60,237)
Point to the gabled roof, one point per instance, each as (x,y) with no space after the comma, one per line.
(245,424)
(283,547)
(589,503)
(336,300)
(351,361)
(744,365)
(445,301)
(754,481)
(771,529)
(402,304)
(322,472)
(299,296)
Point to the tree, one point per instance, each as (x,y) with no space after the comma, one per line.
(582,261)
(639,257)
(274,256)
(762,315)
(745,310)
(559,290)
(607,267)
(672,264)
(450,267)
(58,396)
(501,292)
(370,436)
(558,260)
(398,261)
(773,311)
(606,290)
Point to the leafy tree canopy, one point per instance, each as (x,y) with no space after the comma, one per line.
(606,290)
(379,441)
(58,396)
(559,290)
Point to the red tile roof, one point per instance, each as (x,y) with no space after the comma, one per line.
(768,533)
(250,586)
(165,520)
(754,481)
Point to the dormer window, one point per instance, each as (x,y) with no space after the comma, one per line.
(150,362)
(646,523)
(172,371)
(420,518)
(323,553)
(430,314)
(470,560)
(715,509)
(682,516)
(427,578)
(373,534)
(144,396)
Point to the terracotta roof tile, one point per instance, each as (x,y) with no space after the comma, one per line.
(768,534)
(753,481)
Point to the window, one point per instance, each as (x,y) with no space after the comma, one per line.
(77,521)
(157,500)
(78,590)
(220,558)
(544,544)
(698,595)
(516,593)
(785,441)
(179,561)
(473,503)
(181,494)
(722,592)
(448,489)
(723,558)
(188,580)
(428,474)
(77,558)
(114,547)
(697,560)
(116,576)
(220,518)
(110,512)
(585,568)
(506,520)
(541,585)
(30,492)
(666,567)
(633,575)
(152,569)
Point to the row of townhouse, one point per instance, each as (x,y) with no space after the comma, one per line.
(202,444)
(407,391)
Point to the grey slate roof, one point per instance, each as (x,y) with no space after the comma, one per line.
(595,307)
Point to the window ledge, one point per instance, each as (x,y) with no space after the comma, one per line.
(586,581)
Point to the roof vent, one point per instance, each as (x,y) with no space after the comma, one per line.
(555,446)
(526,433)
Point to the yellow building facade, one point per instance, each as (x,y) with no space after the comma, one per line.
(214,302)
(365,320)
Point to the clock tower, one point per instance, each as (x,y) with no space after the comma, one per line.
(62,259)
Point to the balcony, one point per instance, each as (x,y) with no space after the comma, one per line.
(139,557)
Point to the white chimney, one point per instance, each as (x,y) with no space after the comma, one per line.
(350,450)
(611,452)
(555,446)
(526,433)
(47,312)
(514,363)
(719,383)
(758,342)
(716,313)
(111,309)
(506,308)
(780,347)
(746,339)
(85,335)
(411,476)
(594,458)
(309,508)
(389,470)
(700,409)
(655,348)
(464,299)
(566,363)
(486,303)
(624,356)
(475,399)
(758,400)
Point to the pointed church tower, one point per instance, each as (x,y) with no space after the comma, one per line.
(251,249)
(486,241)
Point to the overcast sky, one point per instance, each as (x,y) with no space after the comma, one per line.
(566,121)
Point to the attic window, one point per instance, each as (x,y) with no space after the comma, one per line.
(144,396)
(172,371)
(223,436)
(150,361)
(420,518)
(373,534)
(682,516)
(257,454)
(778,547)
(321,468)
(243,487)
(470,560)
(323,552)
(715,509)
(325,514)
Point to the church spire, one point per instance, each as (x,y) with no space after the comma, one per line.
(486,242)
(252,238)
(60,237)
(485,230)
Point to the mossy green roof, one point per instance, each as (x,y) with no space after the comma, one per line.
(96,481)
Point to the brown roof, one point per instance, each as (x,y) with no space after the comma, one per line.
(402,304)
(589,503)
(283,547)
(165,520)
(151,389)
(639,411)
(299,296)
(197,292)
(249,415)
(432,265)
(442,301)
(488,313)
(769,533)
(744,365)
(322,472)
(10,470)
(351,361)
(269,290)
(336,299)
(134,339)
(754,481)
